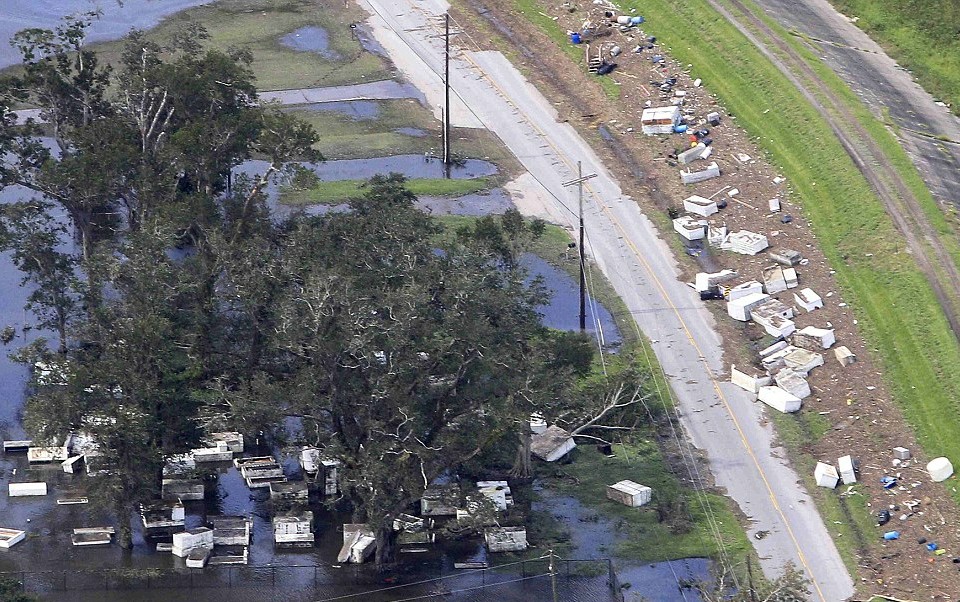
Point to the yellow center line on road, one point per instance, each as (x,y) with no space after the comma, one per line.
(636,251)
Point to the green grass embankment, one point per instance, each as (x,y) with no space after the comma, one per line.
(920,35)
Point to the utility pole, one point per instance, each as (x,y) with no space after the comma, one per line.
(753,592)
(583,279)
(446,92)
(553,577)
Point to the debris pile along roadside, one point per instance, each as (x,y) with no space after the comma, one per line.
(868,424)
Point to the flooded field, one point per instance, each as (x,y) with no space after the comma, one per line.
(310,39)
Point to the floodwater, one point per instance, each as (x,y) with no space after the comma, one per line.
(563,310)
(310,39)
(495,201)
(118,17)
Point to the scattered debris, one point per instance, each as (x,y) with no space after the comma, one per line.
(629,493)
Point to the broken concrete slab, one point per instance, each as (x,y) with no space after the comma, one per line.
(778,399)
(791,278)
(26,489)
(814,338)
(802,361)
(826,475)
(197,558)
(629,493)
(692,154)
(694,177)
(848,473)
(793,383)
(700,206)
(774,205)
(552,444)
(690,228)
(773,280)
(506,539)
(844,355)
(768,351)
(10,538)
(748,383)
(772,321)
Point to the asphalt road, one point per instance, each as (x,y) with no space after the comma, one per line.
(882,85)
(719,418)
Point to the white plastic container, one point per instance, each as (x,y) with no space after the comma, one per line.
(940,469)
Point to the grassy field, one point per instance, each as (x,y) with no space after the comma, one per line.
(341,191)
(897,311)
(258,25)
(921,35)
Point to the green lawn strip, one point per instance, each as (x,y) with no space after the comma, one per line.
(341,191)
(921,36)
(258,25)
(895,305)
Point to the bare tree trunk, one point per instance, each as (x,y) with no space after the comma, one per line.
(386,545)
(125,529)
(522,466)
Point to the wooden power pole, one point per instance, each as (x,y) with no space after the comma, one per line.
(583,279)
(446,91)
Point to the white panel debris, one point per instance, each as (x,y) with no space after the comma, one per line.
(793,383)
(10,538)
(748,383)
(848,473)
(778,399)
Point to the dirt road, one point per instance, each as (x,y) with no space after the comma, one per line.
(719,418)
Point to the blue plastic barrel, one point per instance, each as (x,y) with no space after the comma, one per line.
(680,128)
(575,37)
(636,20)
(891,535)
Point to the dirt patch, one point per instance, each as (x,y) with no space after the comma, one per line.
(863,420)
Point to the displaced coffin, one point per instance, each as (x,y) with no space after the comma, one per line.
(704,282)
(778,399)
(197,558)
(310,461)
(71,465)
(290,491)
(553,444)
(693,177)
(848,473)
(21,445)
(260,471)
(700,206)
(92,536)
(826,475)
(659,120)
(690,228)
(440,500)
(750,287)
(173,490)
(220,557)
(233,441)
(506,539)
(497,492)
(294,530)
(629,493)
(813,338)
(790,276)
(772,322)
(793,383)
(746,382)
(808,300)
(164,517)
(786,257)
(741,308)
(10,538)
(844,356)
(27,489)
(188,541)
(359,543)
(537,423)
(231,530)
